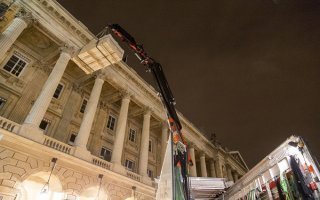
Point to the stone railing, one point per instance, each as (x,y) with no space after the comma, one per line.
(60,146)
(9,125)
(101,163)
(133,176)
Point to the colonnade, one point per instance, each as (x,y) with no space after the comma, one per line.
(30,127)
(215,166)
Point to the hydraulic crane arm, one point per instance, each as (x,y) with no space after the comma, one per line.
(155,68)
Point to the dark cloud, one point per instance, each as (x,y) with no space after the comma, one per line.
(246,70)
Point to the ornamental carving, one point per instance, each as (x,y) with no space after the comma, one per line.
(104,105)
(71,50)
(26,16)
(77,88)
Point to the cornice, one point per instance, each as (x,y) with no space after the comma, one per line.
(51,15)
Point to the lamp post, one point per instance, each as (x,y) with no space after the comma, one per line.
(100,176)
(134,192)
(45,189)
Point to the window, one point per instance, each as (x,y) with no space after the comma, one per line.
(129,165)
(105,153)
(132,135)
(58,91)
(150,146)
(150,173)
(15,65)
(83,105)
(72,138)
(2,102)
(44,125)
(111,123)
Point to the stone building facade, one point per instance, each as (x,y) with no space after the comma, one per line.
(106,127)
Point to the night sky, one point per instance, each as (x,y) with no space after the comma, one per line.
(246,70)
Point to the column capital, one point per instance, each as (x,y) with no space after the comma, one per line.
(26,16)
(98,76)
(147,110)
(104,105)
(68,49)
(202,154)
(77,88)
(216,157)
(165,124)
(102,74)
(229,166)
(109,75)
(126,94)
(191,145)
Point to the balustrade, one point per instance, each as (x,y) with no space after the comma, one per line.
(133,176)
(101,163)
(9,125)
(56,144)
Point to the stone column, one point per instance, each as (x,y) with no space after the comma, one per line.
(9,36)
(144,147)
(212,169)
(88,116)
(164,140)
(120,132)
(39,108)
(235,175)
(203,165)
(217,164)
(193,169)
(99,126)
(229,173)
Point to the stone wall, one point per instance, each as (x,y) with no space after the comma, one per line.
(16,167)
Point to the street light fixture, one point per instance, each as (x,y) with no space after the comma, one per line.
(134,192)
(45,189)
(100,177)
